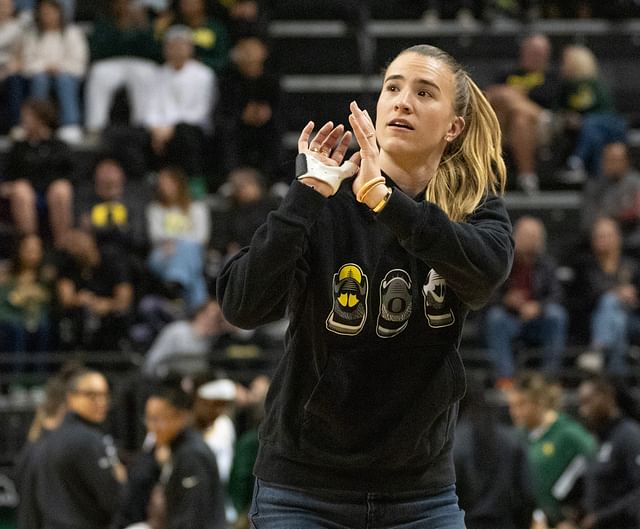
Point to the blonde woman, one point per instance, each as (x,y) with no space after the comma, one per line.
(377,275)
(587,103)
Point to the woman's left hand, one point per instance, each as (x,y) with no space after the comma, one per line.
(365,132)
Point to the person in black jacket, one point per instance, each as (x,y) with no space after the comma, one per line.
(377,276)
(80,477)
(38,173)
(186,467)
(493,478)
(528,306)
(612,485)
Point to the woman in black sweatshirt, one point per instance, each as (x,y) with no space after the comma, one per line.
(376,276)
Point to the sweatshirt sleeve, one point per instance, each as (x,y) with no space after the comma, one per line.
(474,256)
(253,287)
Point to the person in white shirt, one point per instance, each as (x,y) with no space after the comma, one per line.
(56,54)
(178,229)
(181,104)
(183,345)
(212,411)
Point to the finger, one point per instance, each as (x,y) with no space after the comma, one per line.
(341,149)
(303,140)
(332,140)
(358,131)
(362,127)
(322,134)
(356,158)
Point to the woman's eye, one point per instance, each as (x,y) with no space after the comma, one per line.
(424,93)
(392,88)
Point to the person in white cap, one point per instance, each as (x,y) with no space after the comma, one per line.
(212,416)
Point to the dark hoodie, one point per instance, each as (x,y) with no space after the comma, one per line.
(365,396)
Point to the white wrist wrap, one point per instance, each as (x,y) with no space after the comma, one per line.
(310,167)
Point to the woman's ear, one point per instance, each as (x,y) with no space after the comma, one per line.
(455,129)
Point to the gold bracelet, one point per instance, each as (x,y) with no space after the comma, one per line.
(367,186)
(364,195)
(383,202)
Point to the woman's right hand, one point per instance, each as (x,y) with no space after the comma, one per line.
(329,146)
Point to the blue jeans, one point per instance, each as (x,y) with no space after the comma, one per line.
(548,330)
(67,89)
(184,266)
(610,327)
(278,507)
(597,130)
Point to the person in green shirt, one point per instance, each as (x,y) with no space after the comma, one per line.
(586,102)
(559,448)
(210,35)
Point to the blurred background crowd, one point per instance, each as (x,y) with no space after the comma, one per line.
(142,142)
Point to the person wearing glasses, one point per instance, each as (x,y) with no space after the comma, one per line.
(80,480)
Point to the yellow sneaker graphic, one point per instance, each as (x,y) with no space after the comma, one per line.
(350,289)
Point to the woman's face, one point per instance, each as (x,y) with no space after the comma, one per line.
(167,187)
(30,252)
(50,16)
(415,110)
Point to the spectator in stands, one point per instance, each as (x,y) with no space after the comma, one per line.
(248,110)
(559,447)
(181,104)
(210,36)
(465,11)
(178,229)
(588,110)
(529,305)
(187,469)
(38,173)
(609,283)
(212,413)
(123,54)
(11,30)
(615,194)
(249,206)
(183,346)
(523,100)
(493,482)
(95,294)
(113,212)
(55,54)
(25,302)
(80,478)
(242,17)
(613,478)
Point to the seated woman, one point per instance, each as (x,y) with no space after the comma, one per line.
(55,54)
(25,296)
(589,112)
(178,229)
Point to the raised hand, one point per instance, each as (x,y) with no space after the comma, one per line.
(328,146)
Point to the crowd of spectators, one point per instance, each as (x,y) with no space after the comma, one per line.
(182,114)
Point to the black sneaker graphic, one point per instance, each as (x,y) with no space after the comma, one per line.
(395,303)
(350,289)
(435,308)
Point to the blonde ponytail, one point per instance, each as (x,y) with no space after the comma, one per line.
(471,165)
